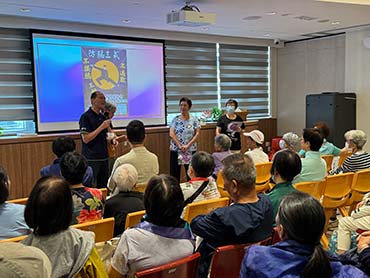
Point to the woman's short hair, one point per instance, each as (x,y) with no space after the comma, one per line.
(49,207)
(303,220)
(63,144)
(233,102)
(73,166)
(357,137)
(313,136)
(323,129)
(223,141)
(240,167)
(4,185)
(287,163)
(163,201)
(292,141)
(187,100)
(125,177)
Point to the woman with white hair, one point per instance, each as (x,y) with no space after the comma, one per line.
(222,150)
(360,159)
(290,141)
(124,178)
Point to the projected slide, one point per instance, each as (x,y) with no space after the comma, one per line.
(68,69)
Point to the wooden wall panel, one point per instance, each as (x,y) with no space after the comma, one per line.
(23,157)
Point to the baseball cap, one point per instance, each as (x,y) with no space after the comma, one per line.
(18,260)
(256,135)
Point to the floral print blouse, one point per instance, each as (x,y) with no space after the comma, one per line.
(88,204)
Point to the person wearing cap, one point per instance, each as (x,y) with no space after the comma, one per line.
(231,125)
(290,141)
(313,166)
(255,140)
(124,179)
(18,260)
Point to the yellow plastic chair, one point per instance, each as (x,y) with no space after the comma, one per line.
(329,161)
(314,188)
(14,239)
(263,176)
(204,207)
(102,228)
(139,187)
(343,157)
(134,218)
(360,186)
(20,201)
(220,185)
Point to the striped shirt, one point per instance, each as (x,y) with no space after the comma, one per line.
(354,163)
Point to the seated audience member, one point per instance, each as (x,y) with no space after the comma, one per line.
(300,221)
(127,200)
(49,213)
(313,166)
(200,169)
(359,219)
(360,159)
(248,219)
(145,162)
(255,140)
(222,150)
(87,202)
(60,146)
(363,249)
(18,260)
(161,238)
(285,166)
(290,141)
(12,222)
(326,147)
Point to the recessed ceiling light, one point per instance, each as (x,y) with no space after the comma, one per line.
(126,20)
(335,23)
(271,13)
(24,10)
(266,35)
(252,17)
(205,28)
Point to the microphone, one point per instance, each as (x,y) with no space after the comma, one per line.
(106,115)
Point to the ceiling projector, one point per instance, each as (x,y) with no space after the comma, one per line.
(190,16)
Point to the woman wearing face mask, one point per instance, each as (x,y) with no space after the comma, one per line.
(290,141)
(231,125)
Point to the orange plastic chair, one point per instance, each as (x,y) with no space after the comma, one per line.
(204,207)
(227,260)
(102,228)
(220,185)
(14,239)
(104,192)
(343,157)
(314,188)
(360,186)
(182,268)
(329,160)
(134,218)
(20,201)
(263,176)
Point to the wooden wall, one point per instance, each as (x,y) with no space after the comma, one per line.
(23,157)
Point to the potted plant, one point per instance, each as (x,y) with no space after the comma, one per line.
(216,113)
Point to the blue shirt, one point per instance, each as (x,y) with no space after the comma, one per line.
(12,222)
(287,259)
(54,170)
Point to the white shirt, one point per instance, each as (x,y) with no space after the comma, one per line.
(258,156)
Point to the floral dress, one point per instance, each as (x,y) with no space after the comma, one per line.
(88,204)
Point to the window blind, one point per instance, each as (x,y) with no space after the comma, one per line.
(16,99)
(191,71)
(244,75)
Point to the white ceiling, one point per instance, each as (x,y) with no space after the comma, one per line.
(151,14)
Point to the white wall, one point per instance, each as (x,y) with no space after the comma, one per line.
(303,68)
(357,76)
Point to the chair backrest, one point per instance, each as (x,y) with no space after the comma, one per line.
(360,186)
(20,201)
(329,161)
(140,187)
(102,228)
(134,218)
(204,207)
(183,268)
(263,176)
(337,190)
(14,239)
(227,260)
(220,185)
(343,157)
(314,188)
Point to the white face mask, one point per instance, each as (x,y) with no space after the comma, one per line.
(349,149)
(230,109)
(282,144)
